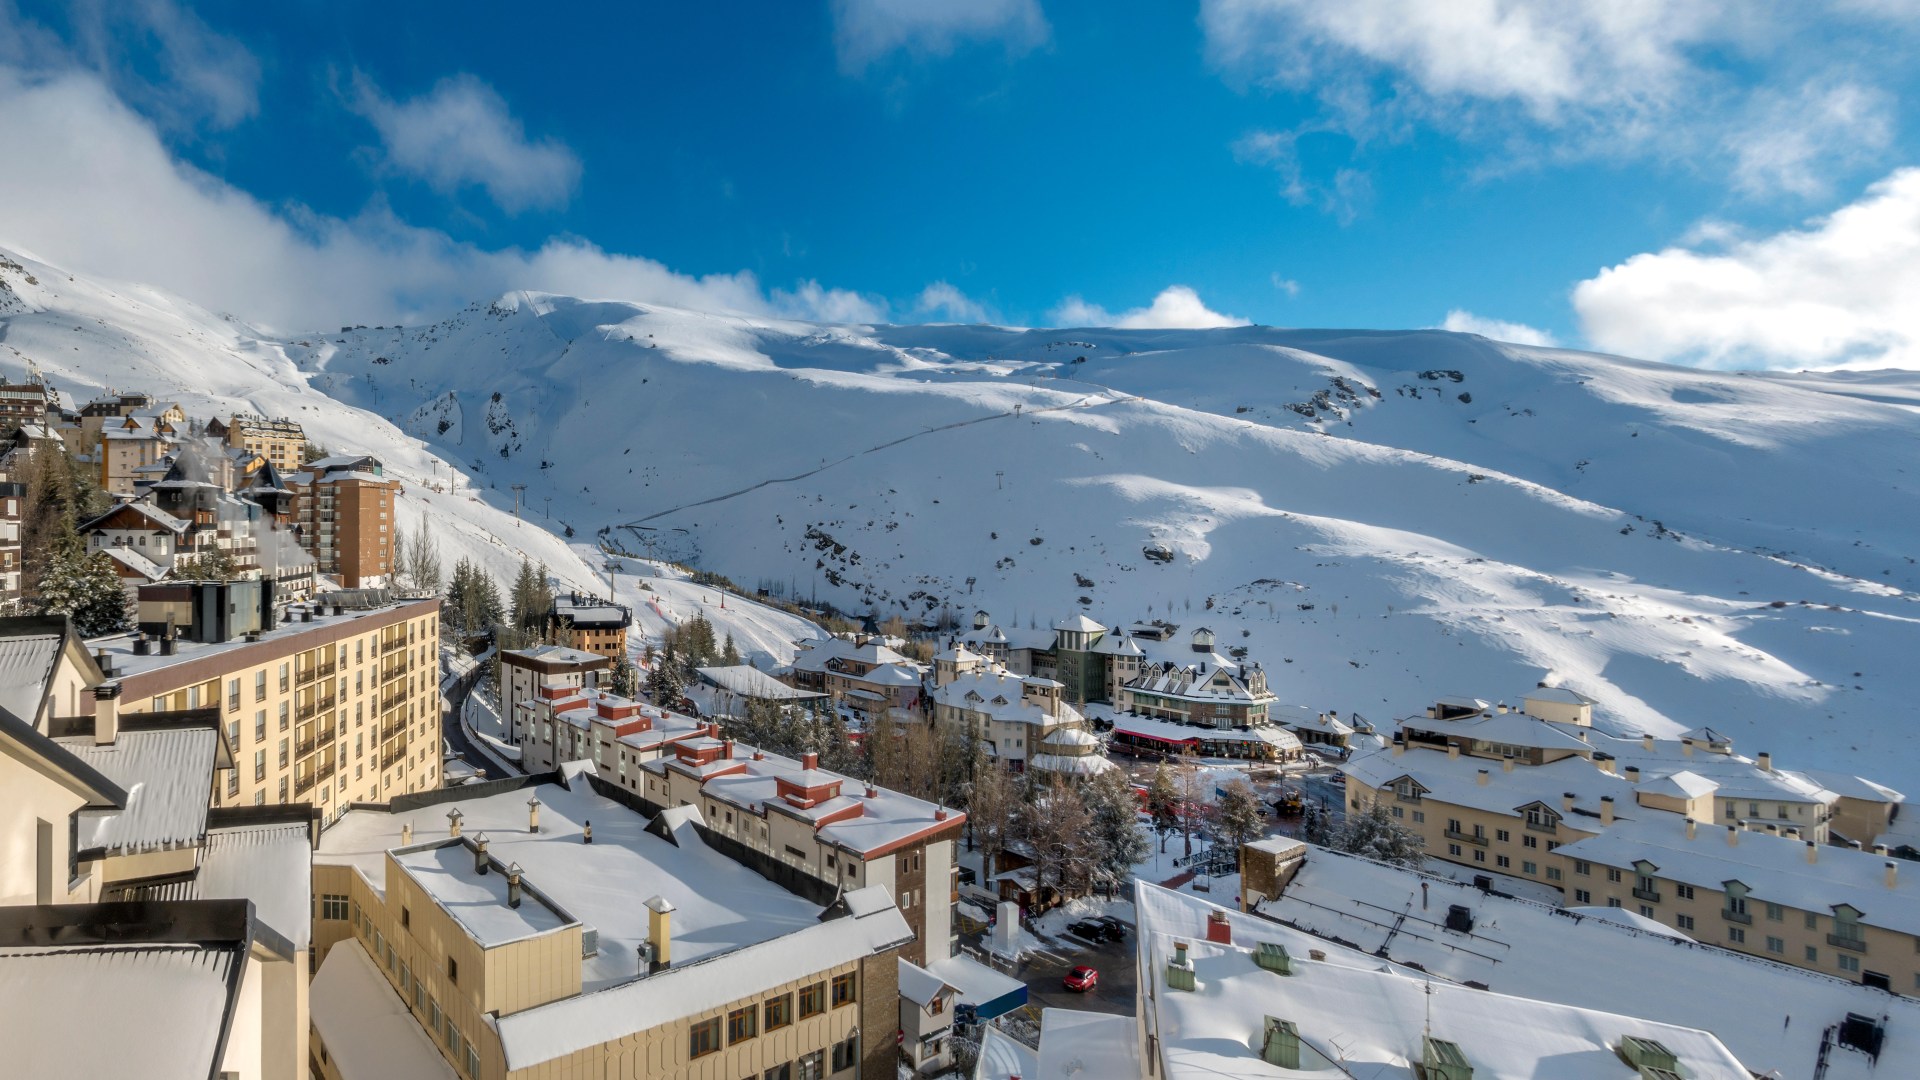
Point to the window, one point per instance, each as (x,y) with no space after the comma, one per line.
(1849,964)
(1813,921)
(333,906)
(704,1039)
(1613,901)
(406,917)
(842,990)
(1582,867)
(453,970)
(843,1054)
(779,1012)
(1529,868)
(1737,935)
(283,753)
(1777,946)
(433,1015)
(813,1000)
(1684,922)
(419,994)
(1419,817)
(1813,955)
(473,1061)
(1775,912)
(1479,855)
(1502,861)
(453,1039)
(811,1066)
(260,685)
(259,765)
(1646,911)
(1613,874)
(233,695)
(742,1024)
(1582,896)
(283,714)
(283,789)
(1684,892)
(1398,811)
(259,727)
(1453,850)
(1530,841)
(1453,825)
(1553,873)
(1502,835)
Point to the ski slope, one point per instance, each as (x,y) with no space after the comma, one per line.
(1381,518)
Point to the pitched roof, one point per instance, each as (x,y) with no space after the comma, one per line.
(167,774)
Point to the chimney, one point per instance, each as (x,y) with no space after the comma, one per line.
(1481,778)
(105,662)
(1566,802)
(106,713)
(1646,740)
(1605,761)
(727,750)
(586,833)
(1453,751)
(759,756)
(453,822)
(513,885)
(1501,708)
(1880,850)
(1506,764)
(167,645)
(142,645)
(480,854)
(660,931)
(872,792)
(1893,874)
(1633,774)
(1813,853)
(1219,930)
(533,814)
(1180,969)
(406,834)
(1691,828)
(1399,745)
(1606,809)
(809,761)
(1733,836)
(1765,762)
(1686,748)
(1316,954)
(939,813)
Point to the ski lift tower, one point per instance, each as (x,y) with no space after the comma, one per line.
(517,490)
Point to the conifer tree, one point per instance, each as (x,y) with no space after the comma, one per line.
(81,585)
(1239,814)
(729,655)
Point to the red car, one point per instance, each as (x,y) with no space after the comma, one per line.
(1082,979)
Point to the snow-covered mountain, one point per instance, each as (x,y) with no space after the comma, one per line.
(1380,517)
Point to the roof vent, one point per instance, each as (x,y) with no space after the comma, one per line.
(1180,969)
(1443,1060)
(1273,956)
(1280,1044)
(1460,918)
(1644,1054)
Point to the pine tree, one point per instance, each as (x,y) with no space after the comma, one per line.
(1316,824)
(729,655)
(211,564)
(1239,814)
(626,677)
(1118,843)
(83,586)
(665,680)
(1163,803)
(1372,833)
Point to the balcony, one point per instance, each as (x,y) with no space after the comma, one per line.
(304,747)
(387,761)
(303,784)
(328,733)
(303,675)
(326,703)
(1741,917)
(1651,896)
(1547,827)
(325,771)
(305,712)
(1466,837)
(1851,944)
(326,668)
(388,731)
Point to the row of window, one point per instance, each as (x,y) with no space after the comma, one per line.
(771,1015)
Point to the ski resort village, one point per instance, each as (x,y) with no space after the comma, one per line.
(960,540)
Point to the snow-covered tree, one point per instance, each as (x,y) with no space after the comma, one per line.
(626,677)
(1118,842)
(1316,824)
(1239,815)
(1373,833)
(729,654)
(83,586)
(211,564)
(419,559)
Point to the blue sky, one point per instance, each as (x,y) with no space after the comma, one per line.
(1712,183)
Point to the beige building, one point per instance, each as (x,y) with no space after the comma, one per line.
(564,723)
(322,703)
(278,440)
(1021,720)
(590,624)
(524,672)
(207,976)
(549,931)
(863,675)
(343,507)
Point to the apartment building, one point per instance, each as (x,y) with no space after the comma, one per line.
(564,723)
(548,930)
(1022,721)
(862,675)
(141,932)
(524,672)
(343,509)
(814,831)
(324,704)
(24,403)
(128,445)
(1760,889)
(13,500)
(278,440)
(590,624)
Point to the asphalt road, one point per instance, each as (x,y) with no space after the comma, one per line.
(1114,961)
(455,734)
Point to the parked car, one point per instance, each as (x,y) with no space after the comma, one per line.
(1081,979)
(1090,929)
(1116,929)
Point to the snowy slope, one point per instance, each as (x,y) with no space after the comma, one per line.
(1380,517)
(87,336)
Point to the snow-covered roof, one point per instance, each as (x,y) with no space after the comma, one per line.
(1685,784)
(1002,1057)
(1630,919)
(1080,624)
(26,664)
(270,864)
(554,654)
(445,871)
(997,694)
(977,983)
(127,663)
(1507,729)
(134,560)
(1204,682)
(1525,949)
(1350,1010)
(167,774)
(1070,737)
(571,1024)
(1736,777)
(1558,695)
(1075,1044)
(1457,781)
(747,681)
(906,674)
(142,508)
(721,905)
(1148,727)
(367,1029)
(919,985)
(815,655)
(958,654)
(1071,764)
(1848,786)
(1774,868)
(116,1010)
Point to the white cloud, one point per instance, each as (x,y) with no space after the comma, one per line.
(1533,81)
(1177,307)
(462,133)
(162,58)
(88,184)
(1285,285)
(1838,291)
(952,305)
(1466,322)
(866,30)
